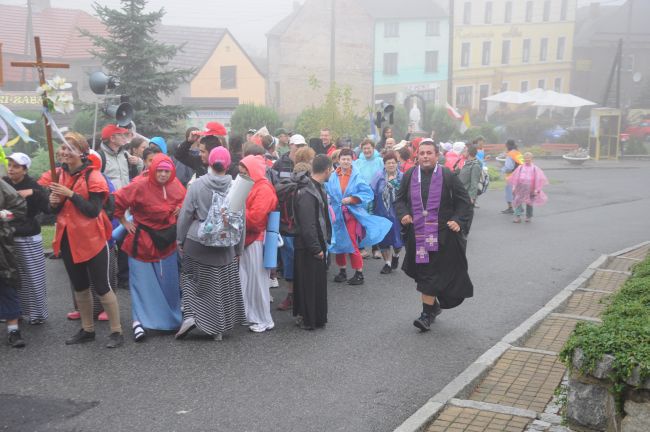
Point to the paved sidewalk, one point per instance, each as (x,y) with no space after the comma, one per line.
(515,392)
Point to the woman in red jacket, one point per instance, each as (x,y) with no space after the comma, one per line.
(82,232)
(261,201)
(154,201)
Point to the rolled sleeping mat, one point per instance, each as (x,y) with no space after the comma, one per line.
(272,240)
(120,232)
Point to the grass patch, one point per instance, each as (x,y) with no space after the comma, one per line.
(624,333)
(47,231)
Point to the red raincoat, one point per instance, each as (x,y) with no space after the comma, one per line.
(87,236)
(152,205)
(261,200)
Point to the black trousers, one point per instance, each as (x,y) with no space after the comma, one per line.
(81,274)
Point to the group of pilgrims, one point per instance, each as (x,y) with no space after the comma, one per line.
(133,213)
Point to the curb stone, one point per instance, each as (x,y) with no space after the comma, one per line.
(463,384)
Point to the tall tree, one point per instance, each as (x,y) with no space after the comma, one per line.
(131,52)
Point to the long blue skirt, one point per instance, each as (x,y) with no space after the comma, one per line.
(155,293)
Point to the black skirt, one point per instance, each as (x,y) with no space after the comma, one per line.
(445,276)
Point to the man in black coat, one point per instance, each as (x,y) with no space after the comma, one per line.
(435,211)
(313,234)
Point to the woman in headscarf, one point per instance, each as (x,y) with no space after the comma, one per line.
(385,186)
(154,201)
(261,201)
(212,297)
(28,242)
(82,233)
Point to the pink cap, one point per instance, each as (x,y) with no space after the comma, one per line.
(164,165)
(219,154)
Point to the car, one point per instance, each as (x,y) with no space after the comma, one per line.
(642,131)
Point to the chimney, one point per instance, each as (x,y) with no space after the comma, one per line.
(594,10)
(40,5)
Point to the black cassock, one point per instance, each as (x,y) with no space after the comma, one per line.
(445,276)
(314,232)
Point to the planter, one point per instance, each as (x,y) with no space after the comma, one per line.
(500,159)
(576,160)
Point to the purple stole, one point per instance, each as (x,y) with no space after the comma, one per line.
(425,219)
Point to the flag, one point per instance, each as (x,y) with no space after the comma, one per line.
(465,124)
(455,115)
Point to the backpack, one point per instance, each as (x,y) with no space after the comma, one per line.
(213,231)
(287,189)
(483,181)
(109,204)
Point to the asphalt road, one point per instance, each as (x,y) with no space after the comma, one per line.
(367,371)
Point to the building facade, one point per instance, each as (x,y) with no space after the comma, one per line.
(411,55)
(510,45)
(599,28)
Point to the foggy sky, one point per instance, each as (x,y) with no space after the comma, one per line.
(248,20)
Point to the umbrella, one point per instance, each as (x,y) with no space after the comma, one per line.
(512,97)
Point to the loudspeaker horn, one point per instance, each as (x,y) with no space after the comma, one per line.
(123,113)
(100,82)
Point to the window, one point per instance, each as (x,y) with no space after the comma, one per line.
(504,86)
(628,63)
(505,52)
(563,10)
(485,59)
(541,84)
(507,18)
(429,95)
(557,85)
(525,52)
(529,11)
(464,97)
(561,42)
(391,29)
(390,63)
(465,54)
(431,62)
(433,28)
(467,13)
(543,50)
(524,86)
(484,91)
(547,11)
(228,77)
(488,13)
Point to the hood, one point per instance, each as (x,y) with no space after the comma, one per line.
(157,159)
(374,156)
(160,142)
(256,167)
(218,183)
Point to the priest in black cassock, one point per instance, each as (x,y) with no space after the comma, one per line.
(435,211)
(313,234)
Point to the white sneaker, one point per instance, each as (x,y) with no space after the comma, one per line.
(273,283)
(186,327)
(260,328)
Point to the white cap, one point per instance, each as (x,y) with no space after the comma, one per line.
(21,159)
(297,139)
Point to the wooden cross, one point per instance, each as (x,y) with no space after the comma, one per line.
(40,67)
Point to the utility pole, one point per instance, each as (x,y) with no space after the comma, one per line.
(333,46)
(450,60)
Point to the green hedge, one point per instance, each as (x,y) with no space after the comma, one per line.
(624,333)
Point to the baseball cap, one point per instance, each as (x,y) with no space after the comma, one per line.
(214,128)
(111,129)
(297,139)
(281,131)
(21,159)
(219,154)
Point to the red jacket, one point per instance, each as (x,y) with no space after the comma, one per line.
(87,236)
(152,205)
(261,200)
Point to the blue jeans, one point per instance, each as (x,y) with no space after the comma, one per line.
(286,254)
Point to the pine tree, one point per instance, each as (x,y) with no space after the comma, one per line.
(132,53)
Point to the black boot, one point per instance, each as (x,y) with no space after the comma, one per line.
(386,269)
(15,340)
(424,322)
(341,277)
(394,263)
(357,279)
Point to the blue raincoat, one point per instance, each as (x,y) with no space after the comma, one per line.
(394,236)
(368,168)
(375,227)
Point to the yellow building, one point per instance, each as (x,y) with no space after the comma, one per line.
(224,75)
(514,45)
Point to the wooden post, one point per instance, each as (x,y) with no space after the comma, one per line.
(40,67)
